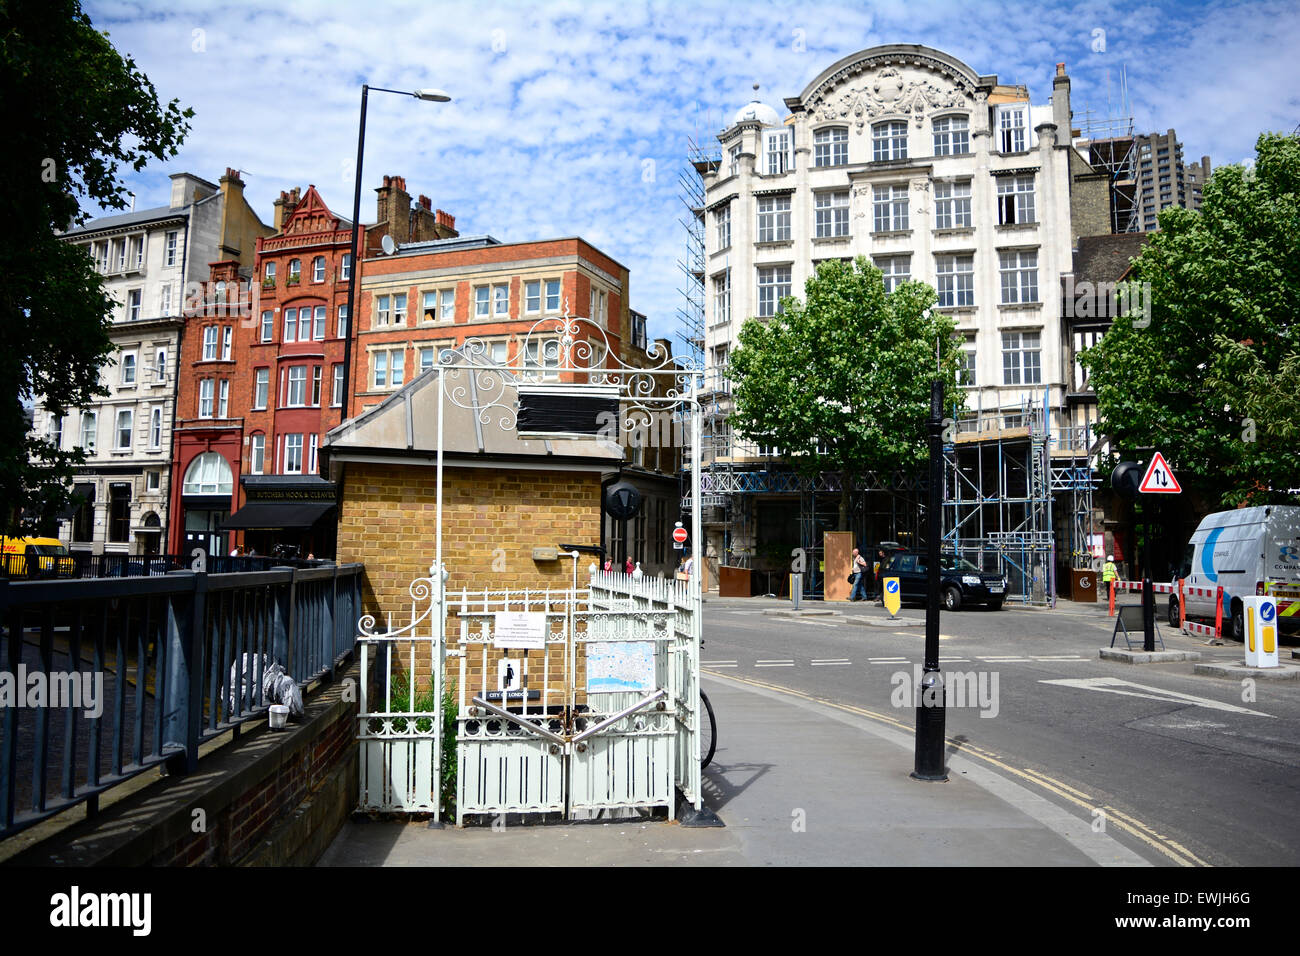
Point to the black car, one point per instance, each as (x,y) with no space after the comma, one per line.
(960,582)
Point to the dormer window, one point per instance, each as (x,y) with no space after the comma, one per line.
(776,147)
(1011,128)
(889,140)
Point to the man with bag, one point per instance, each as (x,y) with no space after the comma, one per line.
(859,577)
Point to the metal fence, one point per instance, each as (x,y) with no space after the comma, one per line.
(103,679)
(83,564)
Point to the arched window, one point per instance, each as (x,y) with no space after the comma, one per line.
(295,269)
(831,146)
(208,474)
(951,136)
(889,140)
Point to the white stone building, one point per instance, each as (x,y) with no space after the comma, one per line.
(905,155)
(148,258)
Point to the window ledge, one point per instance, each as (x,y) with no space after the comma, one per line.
(1017,226)
(721,250)
(956,231)
(1020,306)
(774,244)
(891,234)
(956,309)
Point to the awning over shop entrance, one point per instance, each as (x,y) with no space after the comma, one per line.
(79,490)
(270,515)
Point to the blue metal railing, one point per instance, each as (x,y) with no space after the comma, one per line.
(102,679)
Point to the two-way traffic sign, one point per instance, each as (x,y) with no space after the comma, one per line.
(1159,479)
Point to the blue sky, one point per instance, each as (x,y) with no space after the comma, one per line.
(572,118)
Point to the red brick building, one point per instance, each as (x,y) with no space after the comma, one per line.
(429,296)
(261,382)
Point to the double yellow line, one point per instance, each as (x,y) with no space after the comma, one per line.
(1175,851)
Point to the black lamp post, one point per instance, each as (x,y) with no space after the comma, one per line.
(930,714)
(435,96)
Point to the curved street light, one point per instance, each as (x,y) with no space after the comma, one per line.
(432,96)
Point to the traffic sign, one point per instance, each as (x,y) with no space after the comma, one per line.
(1160,478)
(679,535)
(893,596)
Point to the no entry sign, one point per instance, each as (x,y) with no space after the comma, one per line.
(679,535)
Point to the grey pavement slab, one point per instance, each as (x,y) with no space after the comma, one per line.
(797,782)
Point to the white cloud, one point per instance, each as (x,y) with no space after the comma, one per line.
(558,105)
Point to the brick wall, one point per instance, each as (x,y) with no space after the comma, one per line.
(492,519)
(269,798)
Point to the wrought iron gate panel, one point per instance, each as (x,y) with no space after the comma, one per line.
(400,742)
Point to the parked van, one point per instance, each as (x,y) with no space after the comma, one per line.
(36,558)
(1247,551)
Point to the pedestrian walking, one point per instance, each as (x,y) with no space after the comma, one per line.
(860,571)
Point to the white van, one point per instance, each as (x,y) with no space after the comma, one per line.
(1247,551)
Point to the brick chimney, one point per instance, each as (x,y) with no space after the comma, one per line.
(446,225)
(392,205)
(285,205)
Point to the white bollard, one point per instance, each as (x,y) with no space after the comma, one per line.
(1261,631)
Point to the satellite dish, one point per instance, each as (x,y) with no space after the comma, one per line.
(389,246)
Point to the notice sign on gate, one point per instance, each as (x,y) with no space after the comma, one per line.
(525,630)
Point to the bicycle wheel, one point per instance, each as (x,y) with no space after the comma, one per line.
(708,731)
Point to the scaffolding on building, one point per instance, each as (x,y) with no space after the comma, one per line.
(1108,143)
(1009,478)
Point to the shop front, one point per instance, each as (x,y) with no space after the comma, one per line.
(286,516)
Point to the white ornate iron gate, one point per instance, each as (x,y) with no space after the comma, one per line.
(607,714)
(605,709)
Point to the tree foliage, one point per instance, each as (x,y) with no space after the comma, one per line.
(841,382)
(76,112)
(1210,375)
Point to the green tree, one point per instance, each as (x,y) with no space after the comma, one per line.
(77,112)
(1209,371)
(841,382)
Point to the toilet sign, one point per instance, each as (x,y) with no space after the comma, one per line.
(1159,479)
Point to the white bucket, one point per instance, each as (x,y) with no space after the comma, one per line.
(279,716)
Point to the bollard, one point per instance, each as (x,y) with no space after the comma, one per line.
(1218,614)
(1260,642)
(1182,608)
(1148,615)
(1110,587)
(796,589)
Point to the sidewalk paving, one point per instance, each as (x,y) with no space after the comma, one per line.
(797,782)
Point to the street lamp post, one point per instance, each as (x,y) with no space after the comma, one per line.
(433,96)
(930,715)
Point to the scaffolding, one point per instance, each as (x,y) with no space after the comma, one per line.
(1008,477)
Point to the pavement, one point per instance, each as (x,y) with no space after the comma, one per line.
(796,781)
